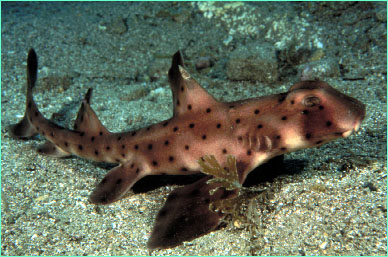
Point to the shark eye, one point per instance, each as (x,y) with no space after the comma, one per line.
(310,101)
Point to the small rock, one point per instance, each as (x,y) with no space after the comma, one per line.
(320,69)
(56,82)
(157,69)
(117,26)
(381,15)
(254,62)
(323,245)
(370,186)
(202,63)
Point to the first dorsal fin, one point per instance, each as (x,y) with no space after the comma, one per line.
(188,95)
(87,120)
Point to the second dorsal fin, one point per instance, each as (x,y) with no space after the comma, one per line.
(87,120)
(188,95)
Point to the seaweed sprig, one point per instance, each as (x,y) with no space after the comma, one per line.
(227,176)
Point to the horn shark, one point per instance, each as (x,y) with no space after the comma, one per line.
(309,114)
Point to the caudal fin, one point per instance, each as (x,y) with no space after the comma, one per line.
(24,129)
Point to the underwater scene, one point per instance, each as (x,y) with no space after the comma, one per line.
(194,128)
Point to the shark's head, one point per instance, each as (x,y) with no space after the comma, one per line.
(320,114)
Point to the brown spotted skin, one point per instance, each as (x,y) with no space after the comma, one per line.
(310,114)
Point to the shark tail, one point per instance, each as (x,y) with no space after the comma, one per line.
(24,128)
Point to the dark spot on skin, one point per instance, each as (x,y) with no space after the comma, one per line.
(122,146)
(123,155)
(80,147)
(178,103)
(100,133)
(166,142)
(277,137)
(132,165)
(165,124)
(218,125)
(321,107)
(203,137)
(237,121)
(171,158)
(108,148)
(292,101)
(257,111)
(308,136)
(305,112)
(249,152)
(154,163)
(284,118)
(118,182)
(208,110)
(66,144)
(133,133)
(283,148)
(96,152)
(175,129)
(118,139)
(150,147)
(189,107)
(224,151)
(92,139)
(137,170)
(183,169)
(136,147)
(318,142)
(191,125)
(239,138)
(187,147)
(259,126)
(231,106)
(328,123)
(182,89)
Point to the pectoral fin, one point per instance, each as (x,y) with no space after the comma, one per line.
(116,183)
(186,214)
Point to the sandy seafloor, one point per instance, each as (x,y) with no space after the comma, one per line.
(333,204)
